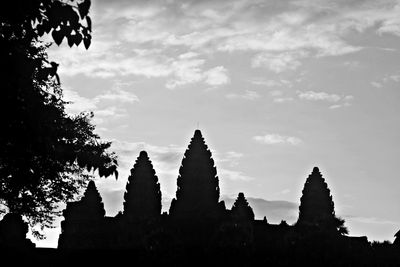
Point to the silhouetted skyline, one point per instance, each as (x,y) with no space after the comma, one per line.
(197,219)
(277,88)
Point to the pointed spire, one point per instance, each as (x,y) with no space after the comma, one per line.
(241,209)
(90,207)
(316,204)
(198,185)
(143,195)
(92,201)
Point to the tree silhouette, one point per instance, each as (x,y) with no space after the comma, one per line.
(198,190)
(43,151)
(142,196)
(28,21)
(241,210)
(317,207)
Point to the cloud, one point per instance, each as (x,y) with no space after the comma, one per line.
(117,94)
(276,93)
(152,39)
(376,84)
(393,78)
(248,95)
(277,96)
(272,139)
(231,158)
(233,175)
(217,76)
(167,157)
(390,23)
(272,83)
(268,83)
(370,220)
(187,70)
(77,103)
(104,106)
(283,99)
(387,78)
(318,96)
(279,62)
(337,100)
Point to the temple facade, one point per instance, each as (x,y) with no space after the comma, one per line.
(197,217)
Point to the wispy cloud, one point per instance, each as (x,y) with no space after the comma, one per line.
(248,95)
(273,139)
(279,62)
(337,100)
(376,84)
(104,105)
(231,158)
(271,83)
(117,94)
(370,220)
(283,99)
(386,79)
(233,175)
(217,76)
(277,35)
(318,96)
(278,97)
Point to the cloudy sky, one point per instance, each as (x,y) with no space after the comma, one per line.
(277,87)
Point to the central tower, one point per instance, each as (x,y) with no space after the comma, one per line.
(197,192)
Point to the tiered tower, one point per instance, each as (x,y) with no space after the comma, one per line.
(316,205)
(197,194)
(84,219)
(142,196)
(241,210)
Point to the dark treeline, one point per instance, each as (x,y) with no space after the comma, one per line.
(198,229)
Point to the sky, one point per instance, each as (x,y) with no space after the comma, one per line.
(276,87)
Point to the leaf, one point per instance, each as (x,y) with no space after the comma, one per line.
(74,19)
(101,171)
(46,26)
(71,40)
(89,23)
(40,30)
(77,38)
(57,36)
(87,41)
(84,8)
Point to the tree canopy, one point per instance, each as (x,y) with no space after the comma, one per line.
(44,153)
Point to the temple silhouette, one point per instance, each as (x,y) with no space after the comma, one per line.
(199,225)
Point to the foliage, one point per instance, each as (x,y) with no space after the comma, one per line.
(44,153)
(29,20)
(143,194)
